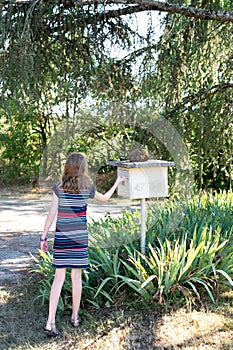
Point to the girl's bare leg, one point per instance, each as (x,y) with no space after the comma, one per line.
(55,292)
(76,277)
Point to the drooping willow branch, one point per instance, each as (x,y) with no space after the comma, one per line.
(200,95)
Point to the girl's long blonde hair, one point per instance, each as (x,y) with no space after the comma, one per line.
(75,176)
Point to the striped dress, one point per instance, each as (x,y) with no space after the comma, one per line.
(71,235)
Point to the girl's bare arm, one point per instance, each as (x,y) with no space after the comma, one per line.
(105,197)
(48,222)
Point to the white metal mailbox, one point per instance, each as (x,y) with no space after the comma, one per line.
(147,179)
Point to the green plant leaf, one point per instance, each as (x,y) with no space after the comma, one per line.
(147,281)
(229,279)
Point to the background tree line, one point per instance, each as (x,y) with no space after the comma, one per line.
(57,60)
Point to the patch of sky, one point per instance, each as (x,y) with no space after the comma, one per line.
(148,25)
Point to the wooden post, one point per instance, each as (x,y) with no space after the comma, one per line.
(143,225)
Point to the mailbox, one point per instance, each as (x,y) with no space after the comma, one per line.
(147,179)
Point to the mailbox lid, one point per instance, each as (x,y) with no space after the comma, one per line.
(146,164)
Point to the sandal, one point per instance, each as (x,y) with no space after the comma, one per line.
(52,332)
(76,321)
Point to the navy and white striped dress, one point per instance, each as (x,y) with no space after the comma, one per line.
(71,234)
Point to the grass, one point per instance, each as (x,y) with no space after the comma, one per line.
(127,326)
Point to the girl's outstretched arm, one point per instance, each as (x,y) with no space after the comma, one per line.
(105,197)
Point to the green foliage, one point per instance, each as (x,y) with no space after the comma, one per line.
(61,55)
(60,47)
(112,232)
(170,219)
(191,261)
(180,266)
(192,91)
(20,157)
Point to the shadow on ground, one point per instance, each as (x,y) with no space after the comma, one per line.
(118,328)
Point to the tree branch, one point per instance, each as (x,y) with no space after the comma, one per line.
(187,11)
(201,94)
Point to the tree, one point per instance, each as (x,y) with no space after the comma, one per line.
(194,91)
(60,52)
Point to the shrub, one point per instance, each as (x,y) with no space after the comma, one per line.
(184,265)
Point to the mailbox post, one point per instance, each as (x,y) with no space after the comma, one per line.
(147,179)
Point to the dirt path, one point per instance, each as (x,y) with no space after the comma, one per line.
(21,222)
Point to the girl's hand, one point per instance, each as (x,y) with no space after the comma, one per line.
(105,197)
(44,246)
(121,179)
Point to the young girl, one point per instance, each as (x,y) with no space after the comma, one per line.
(69,202)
